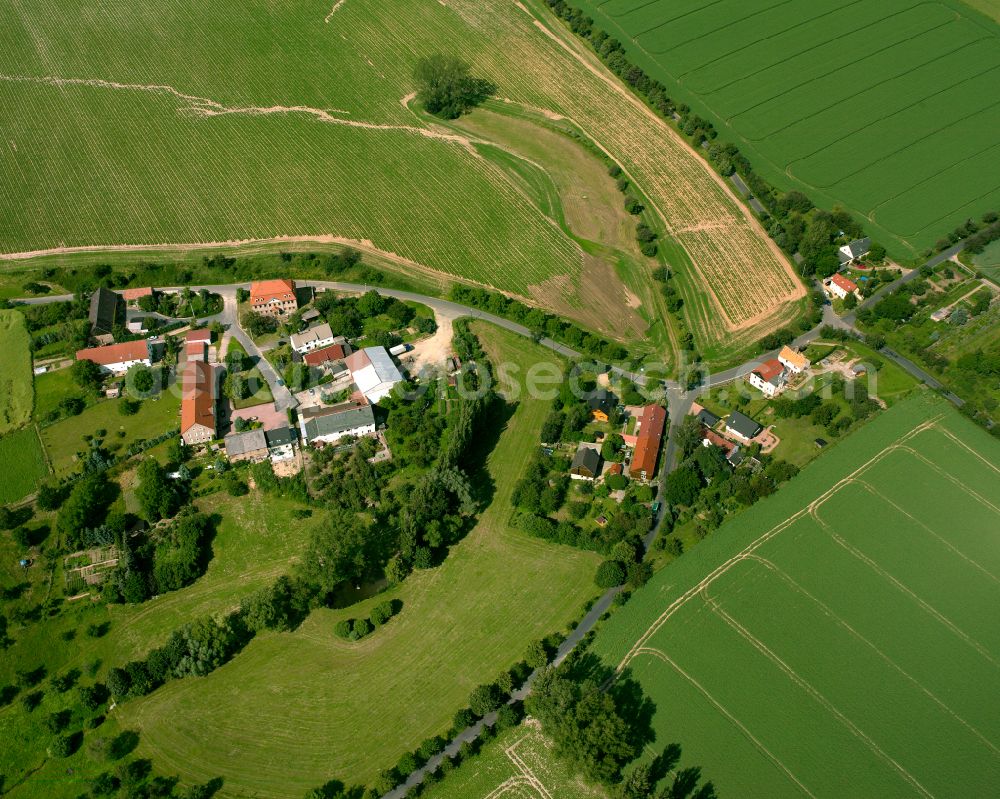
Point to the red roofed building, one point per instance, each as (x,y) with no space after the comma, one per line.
(198,423)
(840,286)
(651,423)
(196,351)
(273,297)
(335,352)
(769,377)
(130,295)
(202,335)
(117,358)
(714,439)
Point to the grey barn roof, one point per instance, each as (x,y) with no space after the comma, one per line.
(588,458)
(103,309)
(743,424)
(242,443)
(336,419)
(859,247)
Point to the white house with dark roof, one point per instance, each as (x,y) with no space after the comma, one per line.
(325,425)
(854,250)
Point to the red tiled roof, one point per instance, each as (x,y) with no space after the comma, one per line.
(202,334)
(115,353)
(197,396)
(714,438)
(769,369)
(647,447)
(267,290)
(357,361)
(335,352)
(845,283)
(134,294)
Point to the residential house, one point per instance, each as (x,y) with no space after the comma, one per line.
(250,445)
(840,286)
(793,360)
(373,372)
(118,358)
(105,308)
(705,416)
(280,444)
(198,395)
(586,463)
(768,378)
(854,251)
(712,439)
(328,424)
(649,436)
(602,405)
(273,298)
(742,427)
(335,353)
(312,339)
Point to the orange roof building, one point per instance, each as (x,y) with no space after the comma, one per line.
(202,334)
(198,422)
(273,297)
(117,358)
(130,295)
(651,422)
(840,286)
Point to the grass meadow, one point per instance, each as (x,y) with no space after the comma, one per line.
(16,389)
(836,639)
(22,464)
(517,764)
(333,708)
(288,150)
(64,439)
(886,108)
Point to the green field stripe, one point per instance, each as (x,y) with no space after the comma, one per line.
(826,654)
(758,73)
(813,116)
(947,201)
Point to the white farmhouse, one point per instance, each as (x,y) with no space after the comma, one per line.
(118,358)
(312,339)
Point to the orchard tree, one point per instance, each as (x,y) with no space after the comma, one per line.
(446,89)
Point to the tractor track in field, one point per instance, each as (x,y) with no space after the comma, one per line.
(207,107)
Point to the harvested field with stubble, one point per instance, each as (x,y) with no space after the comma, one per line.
(837,639)
(263,123)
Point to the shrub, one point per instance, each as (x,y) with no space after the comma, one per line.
(381,613)
(62,746)
(342,629)
(609,574)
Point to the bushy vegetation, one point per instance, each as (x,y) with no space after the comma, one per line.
(446,89)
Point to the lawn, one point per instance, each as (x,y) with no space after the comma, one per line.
(517,764)
(917,154)
(22,464)
(844,620)
(53,387)
(260,396)
(64,439)
(334,708)
(16,391)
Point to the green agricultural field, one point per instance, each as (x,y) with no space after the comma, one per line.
(988,262)
(297,125)
(64,439)
(887,108)
(22,464)
(16,390)
(517,764)
(838,639)
(346,710)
